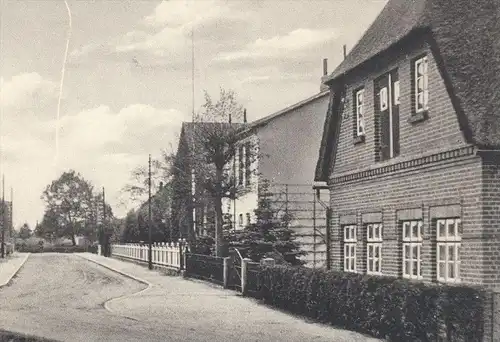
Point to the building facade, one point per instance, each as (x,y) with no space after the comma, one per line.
(283,148)
(410,147)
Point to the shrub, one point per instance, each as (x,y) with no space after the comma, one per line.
(50,249)
(384,307)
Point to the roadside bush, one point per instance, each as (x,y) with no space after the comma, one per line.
(51,249)
(384,307)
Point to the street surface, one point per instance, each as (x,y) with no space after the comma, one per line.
(68,298)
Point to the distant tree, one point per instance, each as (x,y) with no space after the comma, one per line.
(72,209)
(25,232)
(215,147)
(270,235)
(130,231)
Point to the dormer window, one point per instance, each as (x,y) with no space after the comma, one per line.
(358,118)
(421,85)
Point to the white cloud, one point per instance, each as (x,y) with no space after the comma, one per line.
(177,13)
(293,42)
(102,143)
(23,88)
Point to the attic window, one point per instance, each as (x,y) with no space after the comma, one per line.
(421,85)
(359,115)
(360,111)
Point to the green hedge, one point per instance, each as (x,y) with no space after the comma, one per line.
(384,307)
(53,249)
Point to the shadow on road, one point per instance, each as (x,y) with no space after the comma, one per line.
(9,336)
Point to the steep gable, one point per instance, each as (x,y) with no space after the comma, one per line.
(464,36)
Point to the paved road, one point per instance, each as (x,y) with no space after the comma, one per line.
(67,298)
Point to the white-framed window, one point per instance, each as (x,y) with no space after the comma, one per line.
(360,112)
(384,103)
(374,248)
(449,236)
(421,85)
(350,242)
(396,92)
(412,249)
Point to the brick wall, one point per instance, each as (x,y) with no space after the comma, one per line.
(453,182)
(439,132)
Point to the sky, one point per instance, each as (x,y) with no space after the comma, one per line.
(128,78)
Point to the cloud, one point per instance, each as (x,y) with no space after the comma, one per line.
(102,143)
(294,42)
(21,90)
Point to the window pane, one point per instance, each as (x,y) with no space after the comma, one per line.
(451,228)
(451,252)
(377,265)
(370,251)
(406,252)
(352,264)
(441,228)
(370,231)
(346,233)
(415,268)
(414,229)
(406,229)
(451,271)
(376,231)
(377,251)
(420,84)
(457,253)
(421,228)
(441,269)
(420,67)
(442,252)
(407,267)
(420,100)
(415,252)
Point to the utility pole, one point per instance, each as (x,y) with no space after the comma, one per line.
(103,228)
(150,254)
(3,217)
(11,212)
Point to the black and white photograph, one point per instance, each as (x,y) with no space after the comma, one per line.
(250,170)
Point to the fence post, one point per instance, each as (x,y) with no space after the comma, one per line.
(99,250)
(225,271)
(181,255)
(244,275)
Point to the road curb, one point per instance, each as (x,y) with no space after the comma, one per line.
(125,274)
(9,279)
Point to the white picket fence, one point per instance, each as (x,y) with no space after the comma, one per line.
(163,254)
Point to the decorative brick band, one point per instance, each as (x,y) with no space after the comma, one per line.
(434,158)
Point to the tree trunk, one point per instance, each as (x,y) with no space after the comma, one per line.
(219,234)
(73,240)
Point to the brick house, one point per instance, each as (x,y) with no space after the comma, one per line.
(411,145)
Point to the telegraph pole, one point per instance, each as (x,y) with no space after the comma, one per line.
(103,228)
(11,212)
(3,217)
(150,254)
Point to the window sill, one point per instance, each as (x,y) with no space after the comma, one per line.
(419,117)
(359,139)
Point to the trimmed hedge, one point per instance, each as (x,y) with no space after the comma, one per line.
(53,249)
(384,307)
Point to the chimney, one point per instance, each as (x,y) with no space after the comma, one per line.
(345,51)
(245,115)
(229,117)
(323,87)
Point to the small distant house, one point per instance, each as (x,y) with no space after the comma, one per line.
(411,141)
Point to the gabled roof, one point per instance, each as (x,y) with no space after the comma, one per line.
(464,36)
